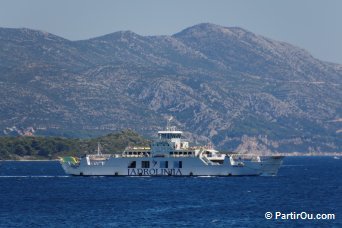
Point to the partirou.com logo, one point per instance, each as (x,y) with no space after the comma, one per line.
(278,215)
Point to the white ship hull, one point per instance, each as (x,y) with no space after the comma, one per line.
(170,155)
(173,166)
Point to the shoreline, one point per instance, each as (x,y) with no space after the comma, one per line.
(286,155)
(33,160)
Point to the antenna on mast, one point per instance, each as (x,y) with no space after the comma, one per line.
(99,149)
(168,123)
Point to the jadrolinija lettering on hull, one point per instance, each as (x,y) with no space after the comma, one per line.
(154,172)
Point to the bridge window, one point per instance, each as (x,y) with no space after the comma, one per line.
(145,164)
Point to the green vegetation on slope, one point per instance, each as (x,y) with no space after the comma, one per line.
(52,147)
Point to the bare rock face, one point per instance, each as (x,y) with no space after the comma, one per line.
(251,145)
(229,86)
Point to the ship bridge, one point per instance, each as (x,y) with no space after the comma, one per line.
(169,134)
(172,138)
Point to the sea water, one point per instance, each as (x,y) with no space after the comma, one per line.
(39,194)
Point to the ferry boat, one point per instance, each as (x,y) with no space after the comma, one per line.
(171,155)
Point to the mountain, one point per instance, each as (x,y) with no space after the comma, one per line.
(224,85)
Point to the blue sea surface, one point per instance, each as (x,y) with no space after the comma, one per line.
(39,194)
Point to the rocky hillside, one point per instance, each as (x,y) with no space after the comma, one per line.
(226,85)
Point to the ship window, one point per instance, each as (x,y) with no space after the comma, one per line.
(171,153)
(132,165)
(145,164)
(164,164)
(178,164)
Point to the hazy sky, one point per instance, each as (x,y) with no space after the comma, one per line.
(314,25)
